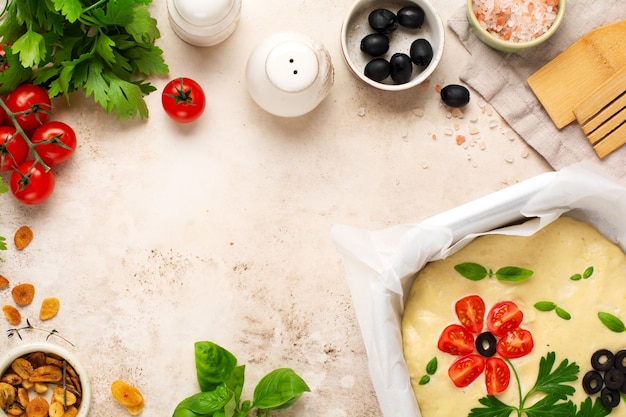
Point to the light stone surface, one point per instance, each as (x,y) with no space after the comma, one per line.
(159,234)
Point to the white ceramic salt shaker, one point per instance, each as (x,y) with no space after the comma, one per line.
(204,22)
(289,74)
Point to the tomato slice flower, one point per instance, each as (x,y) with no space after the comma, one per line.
(503,323)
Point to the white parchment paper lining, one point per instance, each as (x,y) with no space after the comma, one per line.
(380,265)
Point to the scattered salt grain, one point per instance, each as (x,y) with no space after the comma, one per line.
(460,139)
(457,113)
(524,154)
(418,111)
(448,132)
(474,130)
(361,112)
(482,146)
(493,124)
(509,159)
(516,20)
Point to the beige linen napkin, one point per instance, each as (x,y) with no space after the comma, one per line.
(501,79)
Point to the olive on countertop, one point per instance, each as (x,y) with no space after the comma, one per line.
(400,68)
(421,52)
(455,95)
(377,69)
(411,17)
(375,44)
(383,21)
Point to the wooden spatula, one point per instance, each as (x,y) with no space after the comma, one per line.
(563,83)
(602,115)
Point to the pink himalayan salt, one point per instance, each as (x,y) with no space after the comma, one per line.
(516,20)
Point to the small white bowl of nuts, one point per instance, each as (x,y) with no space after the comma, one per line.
(43,380)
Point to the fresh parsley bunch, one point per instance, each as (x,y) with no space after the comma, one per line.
(221,382)
(104,47)
(549,397)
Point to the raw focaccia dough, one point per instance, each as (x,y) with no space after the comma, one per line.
(555,253)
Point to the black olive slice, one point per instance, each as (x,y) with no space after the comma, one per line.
(613,379)
(602,360)
(486,344)
(609,398)
(592,382)
(620,360)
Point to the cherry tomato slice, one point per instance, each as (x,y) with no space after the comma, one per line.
(497,375)
(31,183)
(516,343)
(471,312)
(55,142)
(465,370)
(456,340)
(13,148)
(183,100)
(31,105)
(504,317)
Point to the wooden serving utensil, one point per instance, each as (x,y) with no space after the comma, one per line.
(602,115)
(565,82)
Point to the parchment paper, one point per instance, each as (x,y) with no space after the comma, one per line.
(380,265)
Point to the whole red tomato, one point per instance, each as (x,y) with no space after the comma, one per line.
(31,105)
(183,100)
(30,183)
(54,141)
(13,148)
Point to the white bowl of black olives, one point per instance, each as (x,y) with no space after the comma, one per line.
(392,45)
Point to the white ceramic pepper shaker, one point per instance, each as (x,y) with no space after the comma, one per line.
(289,74)
(204,22)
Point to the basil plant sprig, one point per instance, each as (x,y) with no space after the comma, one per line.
(221,383)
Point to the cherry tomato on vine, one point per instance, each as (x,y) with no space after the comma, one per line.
(183,100)
(30,183)
(54,141)
(31,105)
(13,148)
(3,116)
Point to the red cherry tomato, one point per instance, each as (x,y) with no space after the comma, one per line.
(456,340)
(31,105)
(183,100)
(13,148)
(54,141)
(497,375)
(31,183)
(471,312)
(515,344)
(3,114)
(465,370)
(504,317)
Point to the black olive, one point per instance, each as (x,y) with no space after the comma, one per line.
(592,382)
(383,21)
(400,68)
(613,379)
(609,398)
(620,360)
(455,95)
(411,17)
(486,344)
(377,69)
(375,44)
(421,52)
(602,360)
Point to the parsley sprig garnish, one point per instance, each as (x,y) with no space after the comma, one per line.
(103,47)
(547,398)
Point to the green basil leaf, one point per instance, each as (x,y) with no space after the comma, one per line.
(236,380)
(204,403)
(214,365)
(278,390)
(545,306)
(471,271)
(576,277)
(424,380)
(588,272)
(563,314)
(612,323)
(513,274)
(431,366)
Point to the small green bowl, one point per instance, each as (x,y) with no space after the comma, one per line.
(507,46)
